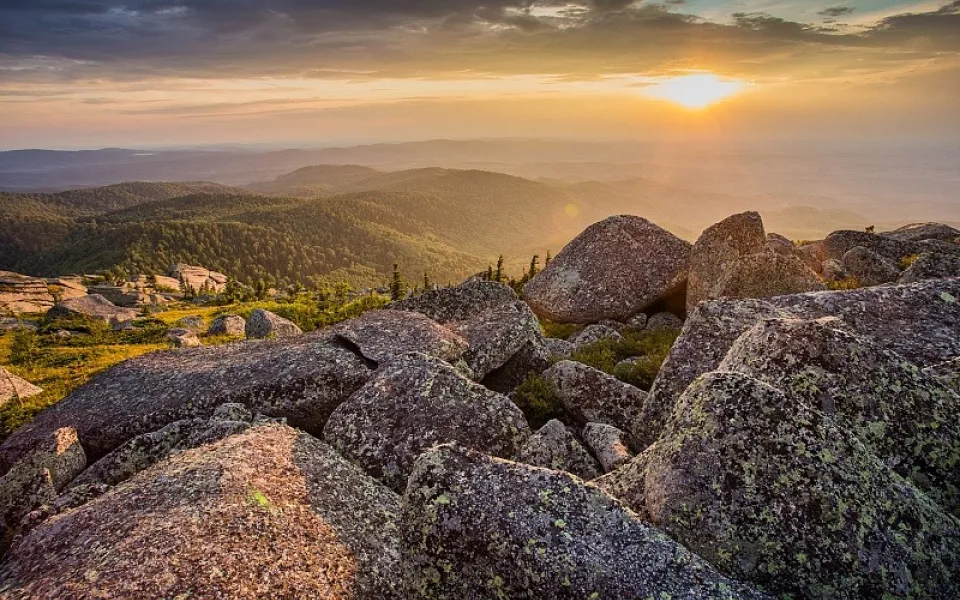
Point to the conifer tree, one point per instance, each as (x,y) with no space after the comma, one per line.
(534,266)
(396,285)
(426,282)
(490,273)
(547,259)
(498,276)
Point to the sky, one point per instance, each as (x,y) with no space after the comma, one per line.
(157,73)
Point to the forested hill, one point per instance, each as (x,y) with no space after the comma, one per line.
(339,222)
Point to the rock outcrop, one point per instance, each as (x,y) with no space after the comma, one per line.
(918,232)
(478,527)
(414,402)
(15,388)
(270,513)
(613,270)
(729,240)
(554,447)
(931,265)
(382,335)
(264,324)
(591,396)
(198,278)
(458,303)
(301,379)
(231,325)
(23,294)
(93,307)
(183,338)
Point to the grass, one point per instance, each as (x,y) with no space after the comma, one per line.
(538,399)
(652,346)
(848,283)
(561,331)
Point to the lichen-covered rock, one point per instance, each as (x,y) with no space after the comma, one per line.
(302,379)
(774,493)
(477,527)
(148,449)
(734,237)
(414,402)
(608,444)
(532,358)
(637,322)
(917,321)
(557,348)
(595,333)
(232,325)
(591,396)
(193,323)
(833,270)
(496,335)
(458,303)
(948,372)
(918,232)
(263,324)
(613,270)
(232,411)
(869,267)
(94,307)
(839,243)
(183,338)
(663,320)
(765,275)
(269,513)
(903,416)
(15,388)
(39,476)
(931,265)
(381,335)
(554,447)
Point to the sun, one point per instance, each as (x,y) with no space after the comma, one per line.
(695,91)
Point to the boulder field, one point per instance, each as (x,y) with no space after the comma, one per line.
(796,443)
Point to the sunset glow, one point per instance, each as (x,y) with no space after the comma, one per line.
(695,91)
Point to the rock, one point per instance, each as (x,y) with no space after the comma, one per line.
(931,265)
(615,325)
(93,307)
(613,270)
(193,323)
(458,303)
(23,294)
(14,324)
(13,388)
(664,320)
(900,414)
(591,396)
(497,335)
(41,474)
(918,321)
(833,270)
(144,451)
(183,338)
(414,402)
(765,275)
(637,322)
(302,379)
(593,334)
(199,279)
(557,348)
(478,527)
(66,288)
(232,411)
(269,513)
(918,232)
(554,447)
(381,335)
(532,358)
(263,324)
(126,297)
(608,444)
(868,267)
(731,239)
(839,243)
(780,244)
(776,494)
(232,325)
(948,372)
(63,334)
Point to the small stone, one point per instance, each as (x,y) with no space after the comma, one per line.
(608,444)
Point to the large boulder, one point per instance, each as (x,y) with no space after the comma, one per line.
(37,479)
(232,325)
(765,275)
(931,265)
(302,379)
(868,267)
(478,527)
(458,303)
(589,395)
(554,447)
(15,388)
(734,237)
(264,324)
(381,335)
(777,494)
(23,294)
(183,338)
(94,307)
(613,270)
(839,243)
(918,232)
(918,321)
(902,415)
(414,402)
(497,335)
(532,358)
(269,513)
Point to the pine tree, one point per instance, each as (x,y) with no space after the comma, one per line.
(534,267)
(426,282)
(396,286)
(546,261)
(490,273)
(498,276)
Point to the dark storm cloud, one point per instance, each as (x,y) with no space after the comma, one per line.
(136,39)
(835,11)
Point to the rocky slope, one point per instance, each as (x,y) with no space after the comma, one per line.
(792,446)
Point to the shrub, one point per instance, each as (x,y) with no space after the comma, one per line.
(606,355)
(561,331)
(25,347)
(538,399)
(907,261)
(849,283)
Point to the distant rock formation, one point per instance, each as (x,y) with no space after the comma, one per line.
(23,294)
(93,306)
(197,278)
